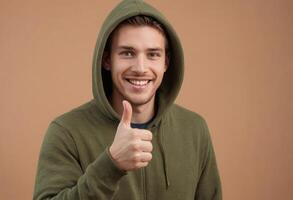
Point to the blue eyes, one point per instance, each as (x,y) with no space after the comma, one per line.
(130,54)
(154,54)
(127,53)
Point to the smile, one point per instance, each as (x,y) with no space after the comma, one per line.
(138,83)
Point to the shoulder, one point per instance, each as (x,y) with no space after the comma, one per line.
(79,116)
(183,119)
(183,114)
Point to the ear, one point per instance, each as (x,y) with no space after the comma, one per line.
(106,61)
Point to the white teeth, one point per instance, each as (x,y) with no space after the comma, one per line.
(137,82)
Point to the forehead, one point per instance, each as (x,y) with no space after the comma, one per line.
(138,37)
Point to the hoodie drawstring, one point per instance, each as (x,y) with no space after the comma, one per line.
(161,145)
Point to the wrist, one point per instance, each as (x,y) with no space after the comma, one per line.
(109,151)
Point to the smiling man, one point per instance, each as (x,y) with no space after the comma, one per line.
(137,62)
(131,141)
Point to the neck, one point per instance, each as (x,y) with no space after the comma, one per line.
(140,113)
(143,113)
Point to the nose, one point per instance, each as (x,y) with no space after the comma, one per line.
(140,65)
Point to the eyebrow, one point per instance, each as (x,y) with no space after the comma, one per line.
(132,49)
(155,49)
(125,47)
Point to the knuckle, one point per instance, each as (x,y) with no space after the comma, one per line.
(135,146)
(151,147)
(150,135)
(136,158)
(137,165)
(150,156)
(145,164)
(135,135)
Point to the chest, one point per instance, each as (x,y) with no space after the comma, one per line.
(173,172)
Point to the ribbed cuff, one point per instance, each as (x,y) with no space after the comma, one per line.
(105,169)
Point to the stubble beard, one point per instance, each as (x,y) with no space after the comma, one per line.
(138,102)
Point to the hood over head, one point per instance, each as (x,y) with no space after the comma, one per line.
(173,77)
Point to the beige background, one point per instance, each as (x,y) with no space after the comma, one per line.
(238,76)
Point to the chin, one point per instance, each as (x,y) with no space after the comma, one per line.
(139,101)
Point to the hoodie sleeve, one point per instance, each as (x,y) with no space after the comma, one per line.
(60,176)
(209,186)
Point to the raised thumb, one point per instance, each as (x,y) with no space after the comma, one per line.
(127,113)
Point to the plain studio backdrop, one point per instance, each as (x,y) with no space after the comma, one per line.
(238,75)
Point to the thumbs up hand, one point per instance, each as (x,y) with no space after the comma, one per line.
(131,148)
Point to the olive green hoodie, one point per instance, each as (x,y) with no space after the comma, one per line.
(74,162)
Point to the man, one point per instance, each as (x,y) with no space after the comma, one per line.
(131,141)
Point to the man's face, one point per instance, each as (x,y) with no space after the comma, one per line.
(137,63)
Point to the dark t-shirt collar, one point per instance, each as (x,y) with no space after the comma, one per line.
(141,126)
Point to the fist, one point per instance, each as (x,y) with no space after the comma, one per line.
(131,148)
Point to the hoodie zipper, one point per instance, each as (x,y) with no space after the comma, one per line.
(143,175)
(144,183)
